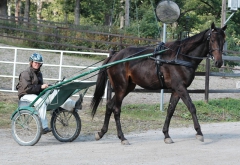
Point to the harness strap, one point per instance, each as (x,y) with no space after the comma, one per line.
(159,63)
(175,62)
(160,76)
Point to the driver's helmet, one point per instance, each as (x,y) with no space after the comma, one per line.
(36,57)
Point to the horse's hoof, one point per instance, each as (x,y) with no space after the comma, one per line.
(200,138)
(125,142)
(168,141)
(97,137)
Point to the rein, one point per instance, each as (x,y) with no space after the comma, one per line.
(161,46)
(209,56)
(176,61)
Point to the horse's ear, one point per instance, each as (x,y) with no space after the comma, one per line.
(213,26)
(224,27)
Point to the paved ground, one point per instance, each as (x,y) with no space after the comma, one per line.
(221,147)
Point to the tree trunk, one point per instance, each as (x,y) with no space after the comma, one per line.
(26,11)
(3,8)
(17,9)
(77,13)
(66,12)
(107,19)
(127,6)
(121,15)
(9,6)
(39,10)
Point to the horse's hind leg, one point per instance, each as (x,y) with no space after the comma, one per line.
(191,107)
(117,112)
(120,94)
(112,107)
(171,108)
(109,109)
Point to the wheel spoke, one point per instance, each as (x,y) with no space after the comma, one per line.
(26,128)
(66,125)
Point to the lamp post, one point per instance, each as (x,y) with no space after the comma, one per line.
(167,12)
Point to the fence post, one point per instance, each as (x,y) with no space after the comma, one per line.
(207,79)
(120,45)
(57,38)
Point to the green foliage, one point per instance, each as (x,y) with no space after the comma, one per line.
(233,32)
(147,27)
(196,16)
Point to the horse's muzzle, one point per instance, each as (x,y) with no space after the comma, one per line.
(218,63)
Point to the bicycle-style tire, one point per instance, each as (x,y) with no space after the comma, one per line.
(66,125)
(26,128)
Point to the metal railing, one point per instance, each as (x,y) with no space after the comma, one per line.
(15,51)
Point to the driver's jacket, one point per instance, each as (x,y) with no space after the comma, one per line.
(30,81)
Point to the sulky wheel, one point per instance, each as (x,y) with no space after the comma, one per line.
(26,128)
(66,125)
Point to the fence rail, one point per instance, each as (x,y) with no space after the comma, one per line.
(13,76)
(15,54)
(67,37)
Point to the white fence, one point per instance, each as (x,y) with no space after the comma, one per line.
(57,63)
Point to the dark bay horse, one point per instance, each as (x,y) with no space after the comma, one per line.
(173,69)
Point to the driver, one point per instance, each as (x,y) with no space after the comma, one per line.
(31,84)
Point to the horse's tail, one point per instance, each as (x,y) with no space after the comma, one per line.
(100,88)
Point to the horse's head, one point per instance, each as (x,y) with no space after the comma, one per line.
(216,41)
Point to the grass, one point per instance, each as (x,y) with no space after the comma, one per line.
(216,110)
(143,117)
(6,111)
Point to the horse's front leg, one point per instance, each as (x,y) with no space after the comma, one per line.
(109,109)
(171,108)
(184,95)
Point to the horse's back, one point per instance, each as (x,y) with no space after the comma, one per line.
(131,51)
(144,72)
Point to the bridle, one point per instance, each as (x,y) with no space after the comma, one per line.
(210,55)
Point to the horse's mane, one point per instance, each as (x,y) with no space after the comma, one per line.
(187,43)
(196,38)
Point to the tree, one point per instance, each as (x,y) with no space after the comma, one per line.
(26,10)
(77,13)
(127,6)
(144,23)
(121,15)
(3,8)
(39,9)
(200,11)
(17,9)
